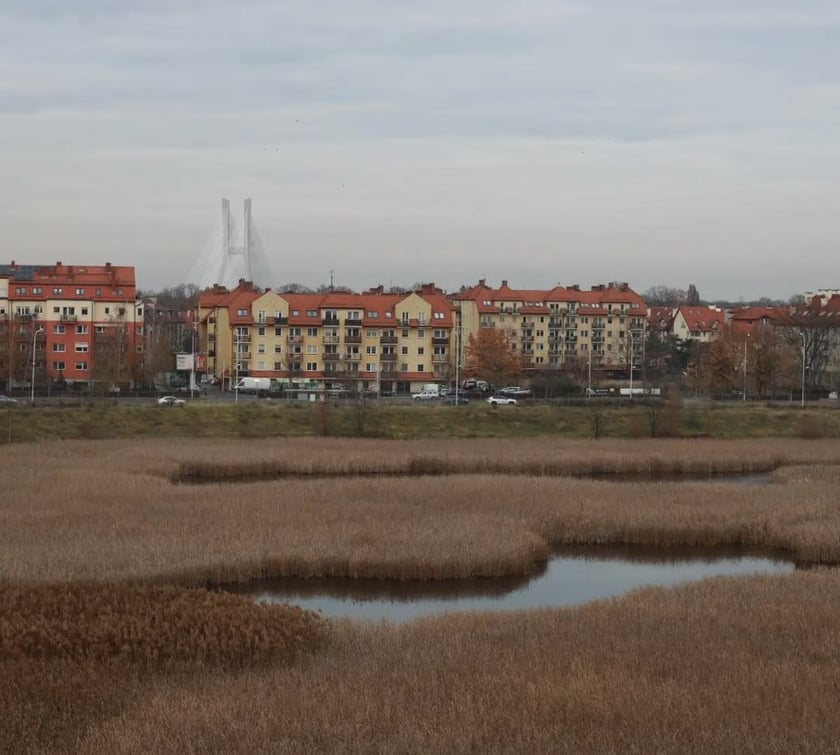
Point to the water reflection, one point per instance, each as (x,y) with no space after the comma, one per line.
(574,575)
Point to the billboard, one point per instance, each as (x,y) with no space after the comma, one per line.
(183,361)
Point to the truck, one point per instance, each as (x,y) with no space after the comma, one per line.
(254,384)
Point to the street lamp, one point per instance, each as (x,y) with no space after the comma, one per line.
(744,397)
(457,355)
(802,335)
(630,335)
(589,373)
(34,336)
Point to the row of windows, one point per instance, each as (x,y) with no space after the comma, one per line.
(243,331)
(353,314)
(314,367)
(78,366)
(59,291)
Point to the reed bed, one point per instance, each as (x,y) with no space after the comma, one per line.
(727,665)
(105,512)
(157,626)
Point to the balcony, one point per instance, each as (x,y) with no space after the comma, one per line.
(294,339)
(440,359)
(388,357)
(331,340)
(243,356)
(238,338)
(437,341)
(331,357)
(353,339)
(388,340)
(330,321)
(356,321)
(353,357)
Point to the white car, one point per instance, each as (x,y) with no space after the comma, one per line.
(170,401)
(425,396)
(501,400)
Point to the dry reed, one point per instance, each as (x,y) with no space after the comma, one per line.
(95,512)
(728,665)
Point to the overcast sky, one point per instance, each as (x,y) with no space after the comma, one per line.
(654,141)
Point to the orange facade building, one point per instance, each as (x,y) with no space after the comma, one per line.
(73,323)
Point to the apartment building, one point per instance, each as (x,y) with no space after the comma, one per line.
(373,340)
(75,323)
(560,328)
(702,323)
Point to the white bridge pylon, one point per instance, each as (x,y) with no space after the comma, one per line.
(233,252)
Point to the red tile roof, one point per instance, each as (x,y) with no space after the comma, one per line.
(703,319)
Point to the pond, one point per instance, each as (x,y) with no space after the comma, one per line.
(572,576)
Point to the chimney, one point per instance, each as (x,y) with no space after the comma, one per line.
(504,284)
(481,282)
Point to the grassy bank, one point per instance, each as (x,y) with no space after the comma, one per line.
(267,419)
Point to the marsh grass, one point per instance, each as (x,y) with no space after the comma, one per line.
(158,626)
(726,665)
(106,511)
(98,655)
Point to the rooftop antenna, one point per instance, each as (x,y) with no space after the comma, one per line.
(332,280)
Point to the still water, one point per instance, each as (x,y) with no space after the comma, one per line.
(572,576)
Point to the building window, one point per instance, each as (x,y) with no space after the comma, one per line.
(278,331)
(81,348)
(312,332)
(260,331)
(311,312)
(371,333)
(59,366)
(58,291)
(85,311)
(59,329)
(261,348)
(421,333)
(295,312)
(81,366)
(37,291)
(421,368)
(420,351)
(241,312)
(405,334)
(278,350)
(99,329)
(373,315)
(278,366)
(311,366)
(107,310)
(370,350)
(404,350)
(311,348)
(81,329)
(20,291)
(80,292)
(58,348)
(404,367)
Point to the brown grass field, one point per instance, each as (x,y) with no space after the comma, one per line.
(104,646)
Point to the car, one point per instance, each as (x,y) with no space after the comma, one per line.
(515,391)
(426,396)
(501,400)
(456,400)
(7,401)
(170,401)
